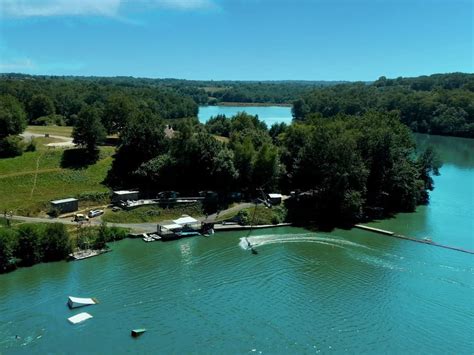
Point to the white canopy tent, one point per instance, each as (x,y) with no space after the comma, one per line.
(172,226)
(185,220)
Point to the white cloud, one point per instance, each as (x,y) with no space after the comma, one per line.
(21,65)
(107,8)
(182,4)
(42,8)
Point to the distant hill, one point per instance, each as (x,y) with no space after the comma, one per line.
(436,104)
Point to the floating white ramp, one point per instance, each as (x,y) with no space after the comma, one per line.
(78,318)
(75,302)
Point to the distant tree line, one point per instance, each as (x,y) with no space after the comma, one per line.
(59,100)
(202,92)
(95,107)
(437,104)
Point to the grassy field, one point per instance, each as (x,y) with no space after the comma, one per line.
(151,214)
(29,182)
(259,216)
(64,131)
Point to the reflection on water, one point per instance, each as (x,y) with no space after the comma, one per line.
(268,114)
(452,150)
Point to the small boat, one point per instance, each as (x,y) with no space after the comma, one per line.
(137,332)
(155,236)
(147,238)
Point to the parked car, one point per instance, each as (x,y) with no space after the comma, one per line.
(80,217)
(95,213)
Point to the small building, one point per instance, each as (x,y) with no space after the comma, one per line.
(275,199)
(124,195)
(65,205)
(185,226)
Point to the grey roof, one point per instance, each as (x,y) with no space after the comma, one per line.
(65,200)
(125,192)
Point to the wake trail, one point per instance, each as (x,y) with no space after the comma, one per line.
(247,243)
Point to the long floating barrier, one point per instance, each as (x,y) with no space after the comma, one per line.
(422,241)
(375,230)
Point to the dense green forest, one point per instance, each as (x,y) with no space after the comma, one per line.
(203,92)
(346,156)
(437,104)
(58,100)
(342,169)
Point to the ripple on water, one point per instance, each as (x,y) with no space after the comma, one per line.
(302,292)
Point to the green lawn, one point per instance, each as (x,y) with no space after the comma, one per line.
(29,182)
(151,214)
(64,131)
(259,216)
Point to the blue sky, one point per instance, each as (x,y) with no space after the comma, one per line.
(237,39)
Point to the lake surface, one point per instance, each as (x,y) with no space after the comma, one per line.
(305,292)
(268,114)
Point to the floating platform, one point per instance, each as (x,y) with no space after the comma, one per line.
(79,318)
(426,240)
(375,230)
(88,253)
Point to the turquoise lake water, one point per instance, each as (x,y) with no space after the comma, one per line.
(348,291)
(269,114)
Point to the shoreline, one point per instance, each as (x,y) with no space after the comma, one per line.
(253,104)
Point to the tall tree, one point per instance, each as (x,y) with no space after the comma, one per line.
(56,244)
(40,105)
(89,131)
(12,116)
(119,109)
(7,246)
(29,244)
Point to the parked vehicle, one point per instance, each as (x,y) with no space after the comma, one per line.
(79,217)
(95,213)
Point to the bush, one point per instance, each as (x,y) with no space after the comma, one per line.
(54,212)
(50,120)
(8,239)
(243,217)
(102,197)
(31,146)
(11,146)
(55,242)
(29,248)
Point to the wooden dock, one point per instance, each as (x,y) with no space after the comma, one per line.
(416,240)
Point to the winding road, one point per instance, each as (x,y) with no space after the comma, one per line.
(134,227)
